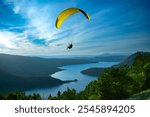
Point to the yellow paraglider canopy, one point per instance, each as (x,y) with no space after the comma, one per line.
(67,13)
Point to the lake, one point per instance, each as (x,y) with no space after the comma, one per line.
(71,72)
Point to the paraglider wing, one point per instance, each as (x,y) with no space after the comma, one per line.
(67,13)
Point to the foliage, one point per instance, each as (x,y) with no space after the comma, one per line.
(147,74)
(19,96)
(116,84)
(69,94)
(144,95)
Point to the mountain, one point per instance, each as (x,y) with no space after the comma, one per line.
(93,71)
(130,60)
(22,72)
(107,58)
(9,82)
(104,58)
(110,58)
(33,66)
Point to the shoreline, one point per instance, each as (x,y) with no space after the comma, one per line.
(93,71)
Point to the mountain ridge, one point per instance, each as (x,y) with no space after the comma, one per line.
(23,72)
(33,66)
(130,60)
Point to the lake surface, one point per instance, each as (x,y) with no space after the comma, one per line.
(71,72)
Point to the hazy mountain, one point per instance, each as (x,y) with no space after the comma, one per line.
(104,58)
(111,58)
(130,60)
(33,66)
(22,72)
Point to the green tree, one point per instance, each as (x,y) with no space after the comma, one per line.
(147,74)
(1,97)
(16,96)
(116,84)
(58,94)
(70,94)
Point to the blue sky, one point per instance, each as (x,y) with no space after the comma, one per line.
(27,27)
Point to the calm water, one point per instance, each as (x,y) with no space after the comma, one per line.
(71,72)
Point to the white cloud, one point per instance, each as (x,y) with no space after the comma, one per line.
(18,43)
(40,18)
(7,40)
(16,9)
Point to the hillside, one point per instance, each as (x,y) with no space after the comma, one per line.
(144,95)
(93,71)
(22,72)
(33,66)
(104,58)
(9,82)
(110,58)
(130,60)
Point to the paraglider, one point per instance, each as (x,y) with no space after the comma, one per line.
(67,13)
(64,15)
(70,46)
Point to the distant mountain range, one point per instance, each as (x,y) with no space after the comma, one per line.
(104,58)
(111,58)
(22,72)
(130,60)
(124,61)
(34,66)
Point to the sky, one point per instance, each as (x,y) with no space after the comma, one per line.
(27,27)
